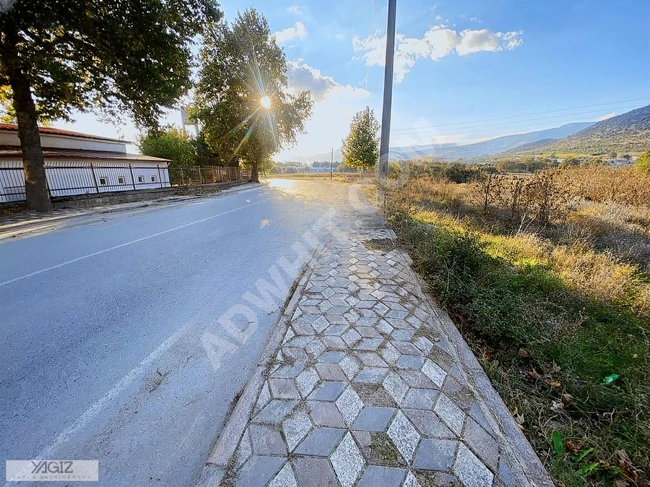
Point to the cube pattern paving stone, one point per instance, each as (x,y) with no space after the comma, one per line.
(364,365)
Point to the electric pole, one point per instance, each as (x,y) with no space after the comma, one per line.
(388,90)
(332,163)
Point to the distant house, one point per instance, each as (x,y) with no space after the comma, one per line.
(77,163)
(619,161)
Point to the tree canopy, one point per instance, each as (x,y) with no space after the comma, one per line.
(643,162)
(128,57)
(170,144)
(240,65)
(361,146)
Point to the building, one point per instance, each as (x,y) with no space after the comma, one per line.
(620,161)
(77,163)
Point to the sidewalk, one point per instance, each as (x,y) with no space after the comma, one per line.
(374,386)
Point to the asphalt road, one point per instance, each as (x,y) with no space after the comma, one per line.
(103,328)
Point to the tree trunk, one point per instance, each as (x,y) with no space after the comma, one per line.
(30,140)
(255,177)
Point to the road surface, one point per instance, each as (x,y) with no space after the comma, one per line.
(104,321)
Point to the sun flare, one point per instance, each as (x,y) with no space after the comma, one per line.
(265,102)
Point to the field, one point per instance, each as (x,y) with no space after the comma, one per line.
(548,278)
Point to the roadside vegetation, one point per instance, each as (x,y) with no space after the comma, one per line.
(548,277)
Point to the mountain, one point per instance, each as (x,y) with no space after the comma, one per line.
(477,149)
(629,132)
(487,147)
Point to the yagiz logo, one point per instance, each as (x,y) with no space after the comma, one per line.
(52,470)
(52,466)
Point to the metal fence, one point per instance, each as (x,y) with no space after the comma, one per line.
(191,176)
(71,178)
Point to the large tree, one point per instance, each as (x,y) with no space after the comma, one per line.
(242,99)
(112,57)
(361,146)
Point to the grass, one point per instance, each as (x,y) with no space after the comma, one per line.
(551,312)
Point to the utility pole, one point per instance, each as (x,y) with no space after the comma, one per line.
(388,90)
(332,163)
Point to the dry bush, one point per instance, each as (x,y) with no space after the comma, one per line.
(539,198)
(625,185)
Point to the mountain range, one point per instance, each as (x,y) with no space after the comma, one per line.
(486,147)
(629,132)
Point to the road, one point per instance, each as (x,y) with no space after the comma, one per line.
(102,326)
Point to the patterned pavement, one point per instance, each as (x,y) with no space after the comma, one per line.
(367,389)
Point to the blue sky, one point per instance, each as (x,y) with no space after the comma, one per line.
(465,70)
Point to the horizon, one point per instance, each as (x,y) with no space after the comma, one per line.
(464,73)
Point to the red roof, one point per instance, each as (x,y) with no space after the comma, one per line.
(11,127)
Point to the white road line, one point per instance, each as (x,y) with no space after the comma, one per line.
(115,391)
(51,268)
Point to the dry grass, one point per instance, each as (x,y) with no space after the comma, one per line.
(557,265)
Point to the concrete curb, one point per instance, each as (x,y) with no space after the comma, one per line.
(224,448)
(530,470)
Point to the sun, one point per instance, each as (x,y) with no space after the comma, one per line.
(265,102)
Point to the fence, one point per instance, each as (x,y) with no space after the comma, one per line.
(68,179)
(190,176)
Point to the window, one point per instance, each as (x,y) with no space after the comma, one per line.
(102,181)
(120,180)
(153,179)
(141,179)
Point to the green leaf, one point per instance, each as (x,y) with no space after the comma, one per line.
(610,379)
(558,442)
(582,454)
(588,468)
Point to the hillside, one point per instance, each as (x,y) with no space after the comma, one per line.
(629,132)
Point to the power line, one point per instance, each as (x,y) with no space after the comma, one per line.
(533,114)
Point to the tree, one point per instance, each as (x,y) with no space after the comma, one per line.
(643,162)
(205,156)
(242,97)
(57,56)
(170,144)
(361,146)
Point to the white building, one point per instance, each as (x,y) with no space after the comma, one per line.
(620,161)
(77,163)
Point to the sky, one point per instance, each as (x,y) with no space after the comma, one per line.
(464,70)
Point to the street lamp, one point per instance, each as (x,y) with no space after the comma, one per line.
(265,101)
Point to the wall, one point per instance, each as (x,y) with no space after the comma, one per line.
(76,177)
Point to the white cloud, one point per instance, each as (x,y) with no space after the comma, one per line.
(438,17)
(302,76)
(298,31)
(438,42)
(334,106)
(296,10)
(606,116)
